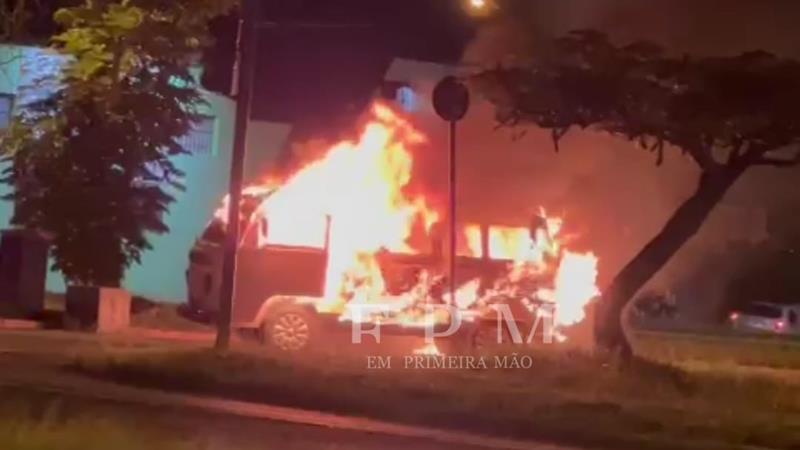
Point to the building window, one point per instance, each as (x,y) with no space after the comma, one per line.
(407,99)
(200,140)
(6,107)
(402,94)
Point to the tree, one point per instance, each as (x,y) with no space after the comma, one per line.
(726,114)
(92,164)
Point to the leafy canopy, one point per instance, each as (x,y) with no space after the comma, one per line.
(725,112)
(93,163)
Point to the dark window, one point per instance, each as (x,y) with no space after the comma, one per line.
(200,140)
(792,317)
(770,312)
(6,107)
(407,99)
(400,93)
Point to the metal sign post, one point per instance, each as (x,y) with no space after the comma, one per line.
(451,102)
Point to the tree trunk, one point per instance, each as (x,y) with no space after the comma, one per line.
(687,220)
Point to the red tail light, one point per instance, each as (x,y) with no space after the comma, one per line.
(779,325)
(734,315)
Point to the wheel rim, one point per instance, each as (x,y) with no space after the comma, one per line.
(290,332)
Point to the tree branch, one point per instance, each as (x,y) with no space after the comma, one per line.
(557,134)
(737,150)
(16,57)
(701,155)
(777,162)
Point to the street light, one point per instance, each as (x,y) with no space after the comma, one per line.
(477,4)
(480,8)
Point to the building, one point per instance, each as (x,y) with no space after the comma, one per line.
(26,73)
(310,82)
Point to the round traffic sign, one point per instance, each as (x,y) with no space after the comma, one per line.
(451,99)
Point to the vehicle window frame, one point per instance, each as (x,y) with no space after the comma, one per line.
(764,311)
(792,317)
(271,245)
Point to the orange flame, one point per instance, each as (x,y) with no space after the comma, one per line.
(359,185)
(354,198)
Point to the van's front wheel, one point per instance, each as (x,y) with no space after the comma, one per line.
(289,329)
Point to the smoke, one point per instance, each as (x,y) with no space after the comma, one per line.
(611,194)
(700,27)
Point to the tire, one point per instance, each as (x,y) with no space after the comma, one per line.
(289,329)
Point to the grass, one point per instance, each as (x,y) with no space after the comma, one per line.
(79,435)
(777,352)
(565,397)
(22,430)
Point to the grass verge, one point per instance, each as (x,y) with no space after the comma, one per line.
(23,429)
(779,352)
(566,398)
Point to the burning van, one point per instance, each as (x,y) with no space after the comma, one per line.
(342,241)
(280,288)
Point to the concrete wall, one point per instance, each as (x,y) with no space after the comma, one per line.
(28,73)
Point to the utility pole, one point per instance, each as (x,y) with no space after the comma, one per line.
(244,71)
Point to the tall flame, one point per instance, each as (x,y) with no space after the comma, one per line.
(354,198)
(359,187)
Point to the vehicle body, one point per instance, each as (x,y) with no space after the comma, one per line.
(277,286)
(767,317)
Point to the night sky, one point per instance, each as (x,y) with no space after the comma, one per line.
(311,76)
(320,78)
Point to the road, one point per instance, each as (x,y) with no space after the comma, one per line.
(31,371)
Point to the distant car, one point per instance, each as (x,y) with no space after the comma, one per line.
(767,317)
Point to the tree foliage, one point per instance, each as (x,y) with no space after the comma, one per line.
(720,111)
(93,163)
(726,113)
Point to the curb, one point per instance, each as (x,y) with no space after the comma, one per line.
(20,324)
